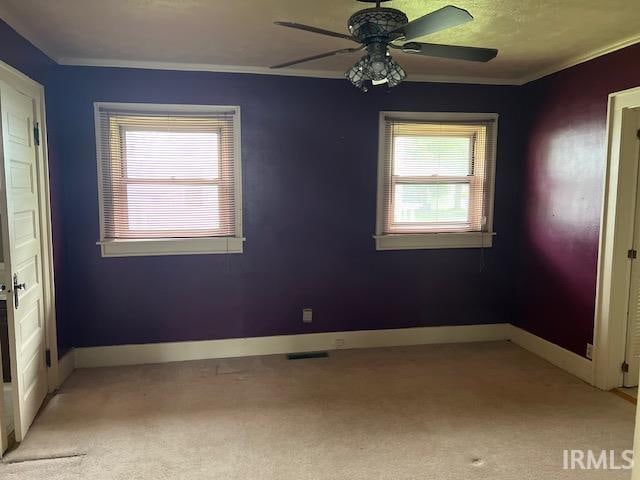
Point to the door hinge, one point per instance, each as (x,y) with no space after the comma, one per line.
(36,133)
(47,358)
(625,367)
(632,253)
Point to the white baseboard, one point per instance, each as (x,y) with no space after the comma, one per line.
(66,366)
(552,353)
(116,355)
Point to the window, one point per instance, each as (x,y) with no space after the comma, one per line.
(169,179)
(435,180)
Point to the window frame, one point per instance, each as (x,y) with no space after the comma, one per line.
(433,240)
(172,246)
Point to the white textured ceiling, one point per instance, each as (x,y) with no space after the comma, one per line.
(533,36)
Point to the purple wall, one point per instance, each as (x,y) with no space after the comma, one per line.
(564,181)
(309,184)
(24,56)
(309,159)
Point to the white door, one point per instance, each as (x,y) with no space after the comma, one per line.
(632,351)
(20,219)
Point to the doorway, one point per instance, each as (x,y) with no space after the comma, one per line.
(617,317)
(631,364)
(28,344)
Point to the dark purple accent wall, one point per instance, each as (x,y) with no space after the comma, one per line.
(565,162)
(309,184)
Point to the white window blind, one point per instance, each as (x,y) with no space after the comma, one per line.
(167,174)
(436,176)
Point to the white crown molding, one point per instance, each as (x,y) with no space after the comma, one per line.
(627,42)
(294,72)
(288,72)
(194,67)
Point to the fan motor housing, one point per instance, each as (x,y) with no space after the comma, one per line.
(375,24)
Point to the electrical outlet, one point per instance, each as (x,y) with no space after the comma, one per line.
(339,342)
(307,315)
(589,351)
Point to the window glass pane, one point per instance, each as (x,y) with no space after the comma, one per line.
(161,207)
(167,155)
(431,203)
(432,155)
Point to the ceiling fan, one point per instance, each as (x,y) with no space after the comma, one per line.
(380,29)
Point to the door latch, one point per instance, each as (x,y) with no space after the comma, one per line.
(17,286)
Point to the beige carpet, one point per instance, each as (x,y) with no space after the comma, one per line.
(441,412)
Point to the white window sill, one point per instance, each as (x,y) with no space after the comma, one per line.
(417,241)
(171,246)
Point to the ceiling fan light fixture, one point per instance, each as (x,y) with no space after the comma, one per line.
(356,74)
(378,29)
(375,72)
(396,73)
(376,22)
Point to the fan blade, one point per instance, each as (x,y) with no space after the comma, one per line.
(472,54)
(321,31)
(442,19)
(315,57)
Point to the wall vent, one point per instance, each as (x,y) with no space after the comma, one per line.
(305,355)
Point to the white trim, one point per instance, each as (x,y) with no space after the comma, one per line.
(170,246)
(255,70)
(440,239)
(88,357)
(616,237)
(295,72)
(442,116)
(66,366)
(173,246)
(558,356)
(173,107)
(627,42)
(30,87)
(20,81)
(434,240)
(46,238)
(119,355)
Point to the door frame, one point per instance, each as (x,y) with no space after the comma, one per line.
(616,238)
(25,84)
